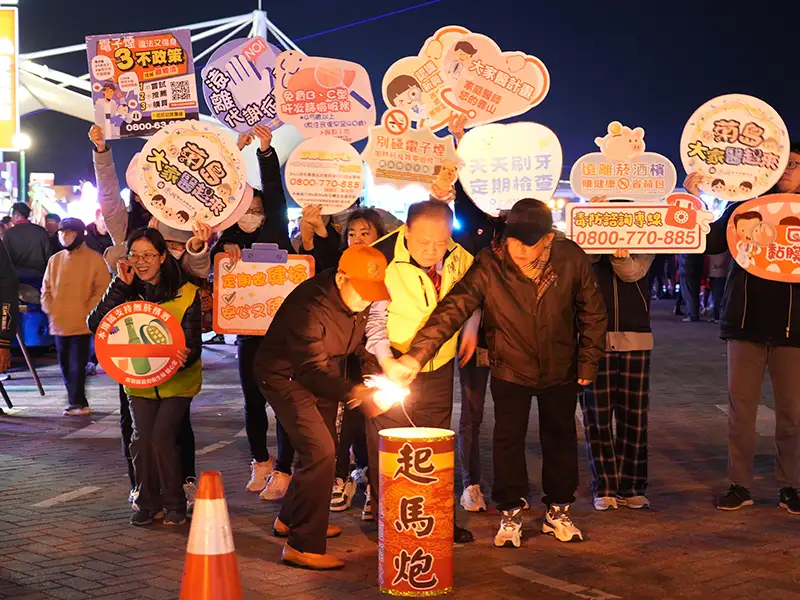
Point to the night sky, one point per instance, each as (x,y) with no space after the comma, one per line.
(645,63)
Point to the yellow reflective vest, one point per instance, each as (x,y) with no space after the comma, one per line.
(414,295)
(186,382)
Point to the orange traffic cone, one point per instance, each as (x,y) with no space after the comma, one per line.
(211,571)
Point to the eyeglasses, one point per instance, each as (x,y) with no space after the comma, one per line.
(148,257)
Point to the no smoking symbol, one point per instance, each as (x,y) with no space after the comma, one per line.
(396,122)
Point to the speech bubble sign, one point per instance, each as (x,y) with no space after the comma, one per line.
(488,85)
(128,82)
(238,84)
(325,171)
(764,237)
(738,143)
(102,67)
(400,156)
(324,96)
(505,163)
(191,171)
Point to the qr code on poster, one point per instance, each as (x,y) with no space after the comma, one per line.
(180,90)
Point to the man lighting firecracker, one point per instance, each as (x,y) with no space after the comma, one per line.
(424,264)
(545,323)
(300,368)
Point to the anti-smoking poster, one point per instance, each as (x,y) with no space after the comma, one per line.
(141,81)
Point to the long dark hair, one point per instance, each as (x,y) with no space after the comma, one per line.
(171,279)
(363,214)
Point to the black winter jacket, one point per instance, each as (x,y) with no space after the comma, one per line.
(97,241)
(540,345)
(476,229)
(754,309)
(310,339)
(275,229)
(628,302)
(9,299)
(120,292)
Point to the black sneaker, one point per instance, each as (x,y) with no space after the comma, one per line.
(462,536)
(174,517)
(734,498)
(790,500)
(141,518)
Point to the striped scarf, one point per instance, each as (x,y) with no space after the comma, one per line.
(541,272)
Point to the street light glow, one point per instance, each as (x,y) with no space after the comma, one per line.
(22,141)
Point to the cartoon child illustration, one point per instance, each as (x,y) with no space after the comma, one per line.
(106,108)
(442,188)
(745,223)
(464,53)
(168,213)
(746,188)
(182,217)
(405,92)
(159,202)
(718,186)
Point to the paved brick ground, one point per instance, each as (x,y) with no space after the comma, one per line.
(681,548)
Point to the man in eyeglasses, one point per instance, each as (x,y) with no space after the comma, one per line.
(761,324)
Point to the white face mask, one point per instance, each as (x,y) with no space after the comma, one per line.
(177,254)
(249,223)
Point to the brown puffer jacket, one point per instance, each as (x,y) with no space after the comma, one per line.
(558,340)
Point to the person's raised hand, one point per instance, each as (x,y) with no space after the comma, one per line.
(693,182)
(622,253)
(183,356)
(97,137)
(456,125)
(312,217)
(125,271)
(234,252)
(598,199)
(244,140)
(264,134)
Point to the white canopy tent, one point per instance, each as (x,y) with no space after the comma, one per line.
(43,88)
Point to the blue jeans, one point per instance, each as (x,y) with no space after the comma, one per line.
(73,354)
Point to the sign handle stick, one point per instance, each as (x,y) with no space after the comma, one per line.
(31,366)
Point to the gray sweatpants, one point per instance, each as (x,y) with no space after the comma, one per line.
(747,362)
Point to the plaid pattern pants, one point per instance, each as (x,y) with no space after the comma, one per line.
(620,395)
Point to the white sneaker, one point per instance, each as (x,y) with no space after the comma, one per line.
(342,494)
(472,499)
(275,489)
(557,523)
(190,491)
(366,513)
(77,411)
(359,476)
(259,471)
(510,532)
(634,502)
(605,502)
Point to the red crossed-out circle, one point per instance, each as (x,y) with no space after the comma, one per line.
(107,351)
(396,122)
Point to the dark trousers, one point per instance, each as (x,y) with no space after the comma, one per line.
(430,404)
(185,439)
(512,406)
(73,355)
(473,381)
(352,433)
(690,291)
(156,457)
(126,428)
(310,423)
(621,394)
(255,411)
(717,291)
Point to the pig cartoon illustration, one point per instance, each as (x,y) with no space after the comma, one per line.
(621,143)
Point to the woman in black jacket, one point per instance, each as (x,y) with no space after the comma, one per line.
(266,221)
(151,274)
